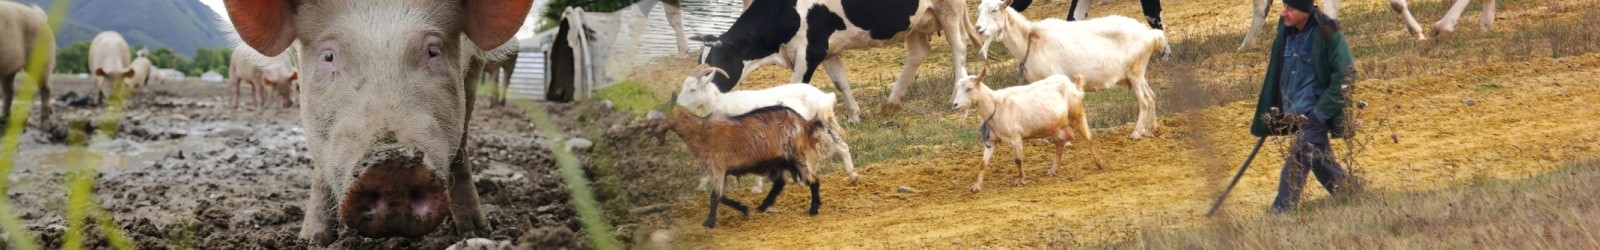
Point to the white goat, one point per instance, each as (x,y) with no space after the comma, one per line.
(810,102)
(1108,51)
(1051,109)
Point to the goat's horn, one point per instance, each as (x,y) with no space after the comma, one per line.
(719,71)
(983,73)
(1007,4)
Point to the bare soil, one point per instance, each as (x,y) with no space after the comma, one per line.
(187,170)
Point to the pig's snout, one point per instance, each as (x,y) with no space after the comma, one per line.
(395,195)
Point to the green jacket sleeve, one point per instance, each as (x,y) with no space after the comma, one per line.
(1341,70)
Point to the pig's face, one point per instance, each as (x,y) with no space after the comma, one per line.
(382,99)
(384,110)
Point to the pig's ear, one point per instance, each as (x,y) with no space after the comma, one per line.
(128,73)
(266,25)
(490,23)
(100,72)
(294,76)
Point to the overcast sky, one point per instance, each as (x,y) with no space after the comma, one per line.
(524,32)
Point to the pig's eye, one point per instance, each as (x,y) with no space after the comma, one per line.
(327,56)
(433,52)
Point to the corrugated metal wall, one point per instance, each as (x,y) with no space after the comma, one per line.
(699,17)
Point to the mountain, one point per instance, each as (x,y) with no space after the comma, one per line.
(182,25)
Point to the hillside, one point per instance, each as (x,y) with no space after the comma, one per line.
(182,25)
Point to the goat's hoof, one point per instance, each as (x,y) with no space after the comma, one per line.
(709,224)
(853,178)
(976,188)
(813,212)
(771,211)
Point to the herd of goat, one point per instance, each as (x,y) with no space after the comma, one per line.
(786,129)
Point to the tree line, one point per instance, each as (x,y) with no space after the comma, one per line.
(74,59)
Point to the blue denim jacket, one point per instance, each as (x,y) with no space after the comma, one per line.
(1298,80)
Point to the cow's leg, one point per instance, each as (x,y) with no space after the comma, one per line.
(675,18)
(1447,24)
(1400,7)
(956,26)
(1258,16)
(916,49)
(1330,8)
(1078,10)
(836,71)
(1152,12)
(1488,15)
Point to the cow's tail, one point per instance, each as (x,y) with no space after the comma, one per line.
(1161,40)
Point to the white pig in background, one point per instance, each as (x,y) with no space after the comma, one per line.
(109,61)
(20,26)
(385,103)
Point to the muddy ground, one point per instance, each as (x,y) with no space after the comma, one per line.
(186,169)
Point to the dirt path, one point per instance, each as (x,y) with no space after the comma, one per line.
(1440,122)
(1538,120)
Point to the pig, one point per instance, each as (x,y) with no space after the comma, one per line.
(500,70)
(264,75)
(142,74)
(109,63)
(243,71)
(22,28)
(279,82)
(385,104)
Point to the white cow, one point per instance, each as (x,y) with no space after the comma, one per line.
(1445,25)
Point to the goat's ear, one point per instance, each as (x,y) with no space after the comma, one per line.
(490,23)
(266,25)
(981,74)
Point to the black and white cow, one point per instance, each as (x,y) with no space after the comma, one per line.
(1080,10)
(809,33)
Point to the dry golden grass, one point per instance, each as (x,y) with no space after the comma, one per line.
(1529,80)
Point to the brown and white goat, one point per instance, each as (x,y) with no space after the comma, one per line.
(1051,109)
(767,141)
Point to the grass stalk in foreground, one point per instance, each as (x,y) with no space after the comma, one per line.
(17,236)
(594,224)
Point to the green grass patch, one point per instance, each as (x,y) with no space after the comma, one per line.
(631,96)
